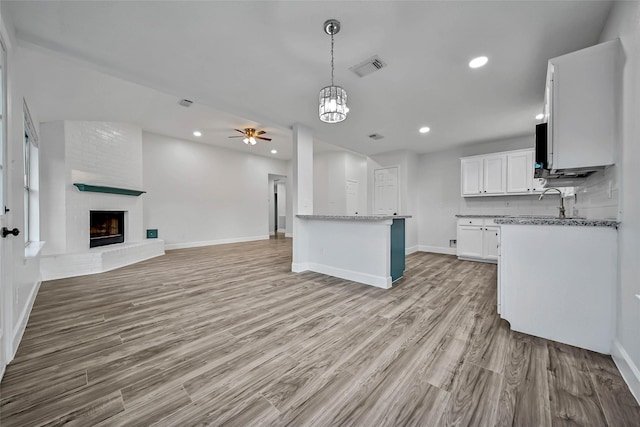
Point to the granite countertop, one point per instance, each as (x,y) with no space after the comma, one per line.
(481,216)
(355,217)
(580,222)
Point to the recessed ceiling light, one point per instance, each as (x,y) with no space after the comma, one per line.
(424,129)
(274,151)
(478,62)
(197,133)
(539,116)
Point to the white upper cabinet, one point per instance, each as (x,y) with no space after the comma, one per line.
(471,178)
(495,174)
(499,174)
(581,92)
(520,171)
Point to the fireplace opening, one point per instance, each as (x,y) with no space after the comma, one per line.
(106,228)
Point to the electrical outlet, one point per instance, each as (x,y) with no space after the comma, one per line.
(610,190)
(453,243)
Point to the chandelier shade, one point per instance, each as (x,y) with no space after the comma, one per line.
(332,106)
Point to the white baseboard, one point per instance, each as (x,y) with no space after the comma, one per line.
(288,234)
(18,331)
(272,233)
(437,250)
(355,276)
(410,250)
(299,267)
(628,369)
(215,242)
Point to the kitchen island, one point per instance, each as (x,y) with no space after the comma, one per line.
(368,249)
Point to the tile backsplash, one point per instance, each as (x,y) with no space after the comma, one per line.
(514,205)
(598,197)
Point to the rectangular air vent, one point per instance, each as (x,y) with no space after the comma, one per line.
(376,136)
(368,66)
(185,103)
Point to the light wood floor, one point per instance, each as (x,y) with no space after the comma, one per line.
(227,335)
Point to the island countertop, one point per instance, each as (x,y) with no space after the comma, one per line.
(354,217)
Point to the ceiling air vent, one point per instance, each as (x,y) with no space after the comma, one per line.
(376,136)
(185,103)
(368,66)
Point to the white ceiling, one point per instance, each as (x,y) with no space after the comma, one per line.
(264,62)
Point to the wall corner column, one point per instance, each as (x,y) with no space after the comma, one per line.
(302,193)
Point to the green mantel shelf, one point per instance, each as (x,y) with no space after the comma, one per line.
(110,190)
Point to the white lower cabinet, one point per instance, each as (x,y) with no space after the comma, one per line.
(558,282)
(478,239)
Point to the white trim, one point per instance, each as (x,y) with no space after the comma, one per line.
(272,233)
(21,325)
(32,250)
(628,369)
(485,260)
(215,242)
(299,267)
(412,249)
(356,276)
(288,234)
(437,250)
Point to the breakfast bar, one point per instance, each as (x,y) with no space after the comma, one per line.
(368,249)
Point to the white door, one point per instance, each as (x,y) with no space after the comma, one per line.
(495,174)
(352,197)
(471,176)
(5,289)
(385,197)
(520,172)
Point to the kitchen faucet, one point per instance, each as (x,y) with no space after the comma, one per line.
(561,208)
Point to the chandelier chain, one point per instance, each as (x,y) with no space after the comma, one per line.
(332,58)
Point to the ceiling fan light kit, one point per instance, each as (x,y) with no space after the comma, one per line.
(333,99)
(250,136)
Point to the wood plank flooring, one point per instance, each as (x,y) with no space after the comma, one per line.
(227,335)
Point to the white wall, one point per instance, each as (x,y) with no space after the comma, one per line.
(198,194)
(624,22)
(331,171)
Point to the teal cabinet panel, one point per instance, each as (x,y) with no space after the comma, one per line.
(397,249)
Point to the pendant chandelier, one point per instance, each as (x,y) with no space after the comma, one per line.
(333,99)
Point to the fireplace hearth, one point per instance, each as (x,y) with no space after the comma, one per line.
(106,228)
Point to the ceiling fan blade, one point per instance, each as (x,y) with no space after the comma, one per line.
(239,136)
(261,132)
(238,130)
(263,138)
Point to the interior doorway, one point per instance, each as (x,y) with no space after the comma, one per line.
(278,221)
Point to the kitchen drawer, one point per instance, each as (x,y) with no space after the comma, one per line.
(470,221)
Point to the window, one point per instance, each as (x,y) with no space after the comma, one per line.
(31,180)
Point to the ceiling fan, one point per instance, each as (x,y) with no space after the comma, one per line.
(251,135)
